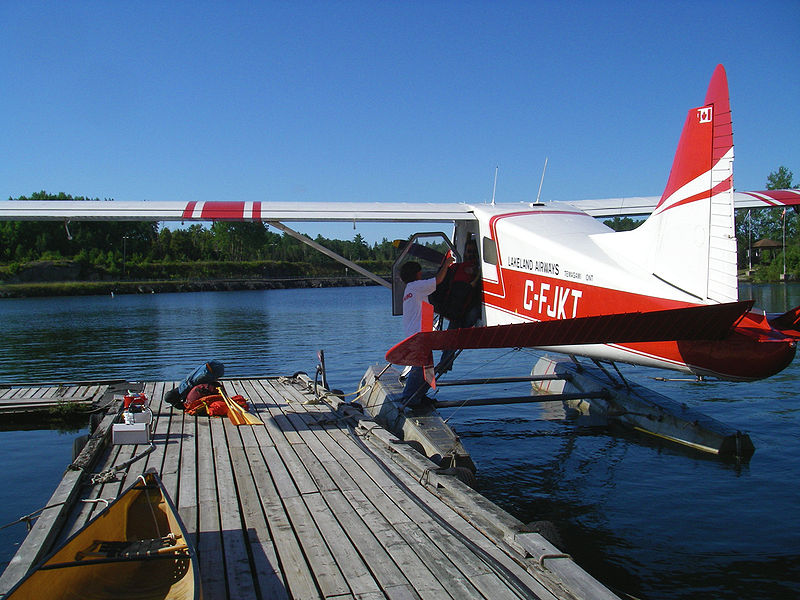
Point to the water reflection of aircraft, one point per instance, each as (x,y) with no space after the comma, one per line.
(663,295)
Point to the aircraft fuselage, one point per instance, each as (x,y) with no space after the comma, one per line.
(542,263)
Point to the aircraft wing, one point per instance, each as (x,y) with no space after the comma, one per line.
(766,198)
(387,212)
(644,205)
(617,207)
(706,322)
(114,210)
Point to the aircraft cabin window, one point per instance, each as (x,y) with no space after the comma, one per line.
(489,251)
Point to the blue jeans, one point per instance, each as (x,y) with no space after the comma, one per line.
(416,387)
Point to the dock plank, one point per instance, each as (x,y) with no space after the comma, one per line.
(186,494)
(354,569)
(303,506)
(325,570)
(237,563)
(385,570)
(171,438)
(264,466)
(266,566)
(209,538)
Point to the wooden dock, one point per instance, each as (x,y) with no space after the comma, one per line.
(54,399)
(314,503)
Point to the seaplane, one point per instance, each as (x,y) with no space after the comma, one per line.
(555,278)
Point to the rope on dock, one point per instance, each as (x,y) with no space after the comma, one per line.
(28,519)
(110,474)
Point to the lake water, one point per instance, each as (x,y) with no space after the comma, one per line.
(649,520)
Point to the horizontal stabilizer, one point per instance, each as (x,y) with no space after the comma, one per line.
(705,322)
(788,322)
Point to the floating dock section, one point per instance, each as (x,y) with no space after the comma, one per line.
(426,432)
(42,401)
(319,501)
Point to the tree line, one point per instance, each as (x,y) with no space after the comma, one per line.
(114,245)
(118,246)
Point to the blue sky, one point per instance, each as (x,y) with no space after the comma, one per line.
(383,101)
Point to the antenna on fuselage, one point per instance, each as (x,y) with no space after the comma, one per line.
(494,188)
(539,195)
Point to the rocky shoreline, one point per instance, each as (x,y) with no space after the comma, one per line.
(99,288)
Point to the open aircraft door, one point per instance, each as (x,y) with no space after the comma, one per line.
(429,250)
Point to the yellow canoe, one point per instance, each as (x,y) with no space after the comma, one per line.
(137,547)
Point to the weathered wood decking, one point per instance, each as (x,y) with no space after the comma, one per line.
(312,504)
(16,401)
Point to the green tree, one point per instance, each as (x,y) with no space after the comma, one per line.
(622,223)
(241,241)
(780,179)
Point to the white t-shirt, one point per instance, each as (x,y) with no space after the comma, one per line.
(415,294)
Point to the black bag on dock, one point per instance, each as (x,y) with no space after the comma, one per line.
(206,373)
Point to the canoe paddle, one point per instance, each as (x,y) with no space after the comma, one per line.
(237,414)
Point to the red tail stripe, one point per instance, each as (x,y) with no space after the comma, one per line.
(722,186)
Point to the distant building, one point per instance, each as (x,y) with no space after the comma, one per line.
(765,249)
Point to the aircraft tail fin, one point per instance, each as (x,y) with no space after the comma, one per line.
(696,241)
(689,240)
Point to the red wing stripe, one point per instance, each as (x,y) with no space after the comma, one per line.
(187,212)
(705,322)
(777,197)
(223,211)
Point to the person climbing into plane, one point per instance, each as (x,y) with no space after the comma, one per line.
(416,292)
(460,303)
(465,306)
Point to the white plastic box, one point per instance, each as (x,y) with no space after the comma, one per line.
(134,433)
